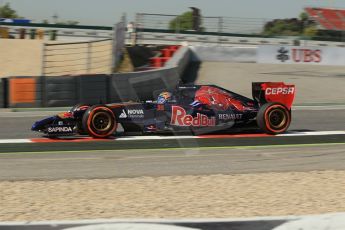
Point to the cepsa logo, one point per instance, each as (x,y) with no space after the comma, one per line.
(179,117)
(306,55)
(280,90)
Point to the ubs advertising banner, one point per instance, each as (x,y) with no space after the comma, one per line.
(301,55)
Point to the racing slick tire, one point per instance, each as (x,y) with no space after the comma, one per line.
(78,106)
(274,118)
(99,121)
(79,125)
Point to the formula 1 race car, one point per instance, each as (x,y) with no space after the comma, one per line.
(196,108)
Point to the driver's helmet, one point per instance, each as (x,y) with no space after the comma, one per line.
(164,97)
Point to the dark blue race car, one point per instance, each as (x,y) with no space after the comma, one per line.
(195,108)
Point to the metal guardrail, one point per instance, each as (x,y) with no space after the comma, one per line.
(54,31)
(208,24)
(224,28)
(60,26)
(77,58)
(159,37)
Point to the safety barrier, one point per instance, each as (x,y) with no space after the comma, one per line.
(55,31)
(60,91)
(224,54)
(70,90)
(180,59)
(3,93)
(24,92)
(164,56)
(55,91)
(22,33)
(140,86)
(301,55)
(159,37)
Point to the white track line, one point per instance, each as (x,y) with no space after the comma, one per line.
(14,141)
(314,133)
(133,138)
(290,134)
(318,107)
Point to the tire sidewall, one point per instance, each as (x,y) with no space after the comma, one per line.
(88,126)
(80,128)
(263,119)
(77,106)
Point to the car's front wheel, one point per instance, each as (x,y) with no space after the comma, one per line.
(274,118)
(77,112)
(99,121)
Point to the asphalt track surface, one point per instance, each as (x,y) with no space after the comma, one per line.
(185,161)
(115,159)
(109,159)
(309,118)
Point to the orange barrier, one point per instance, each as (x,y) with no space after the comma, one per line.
(174,48)
(22,90)
(167,53)
(158,62)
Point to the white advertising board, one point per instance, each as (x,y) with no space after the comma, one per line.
(301,55)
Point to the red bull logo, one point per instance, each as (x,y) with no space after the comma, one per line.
(179,117)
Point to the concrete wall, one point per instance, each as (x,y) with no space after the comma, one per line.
(180,59)
(20,57)
(224,54)
(23,57)
(140,86)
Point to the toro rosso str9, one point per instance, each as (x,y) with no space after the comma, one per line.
(196,108)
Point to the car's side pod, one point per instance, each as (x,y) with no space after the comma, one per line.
(264,92)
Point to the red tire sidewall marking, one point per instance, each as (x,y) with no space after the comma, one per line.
(89,122)
(267,122)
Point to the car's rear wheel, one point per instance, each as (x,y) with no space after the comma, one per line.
(274,118)
(99,121)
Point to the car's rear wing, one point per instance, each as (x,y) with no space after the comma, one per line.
(264,92)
